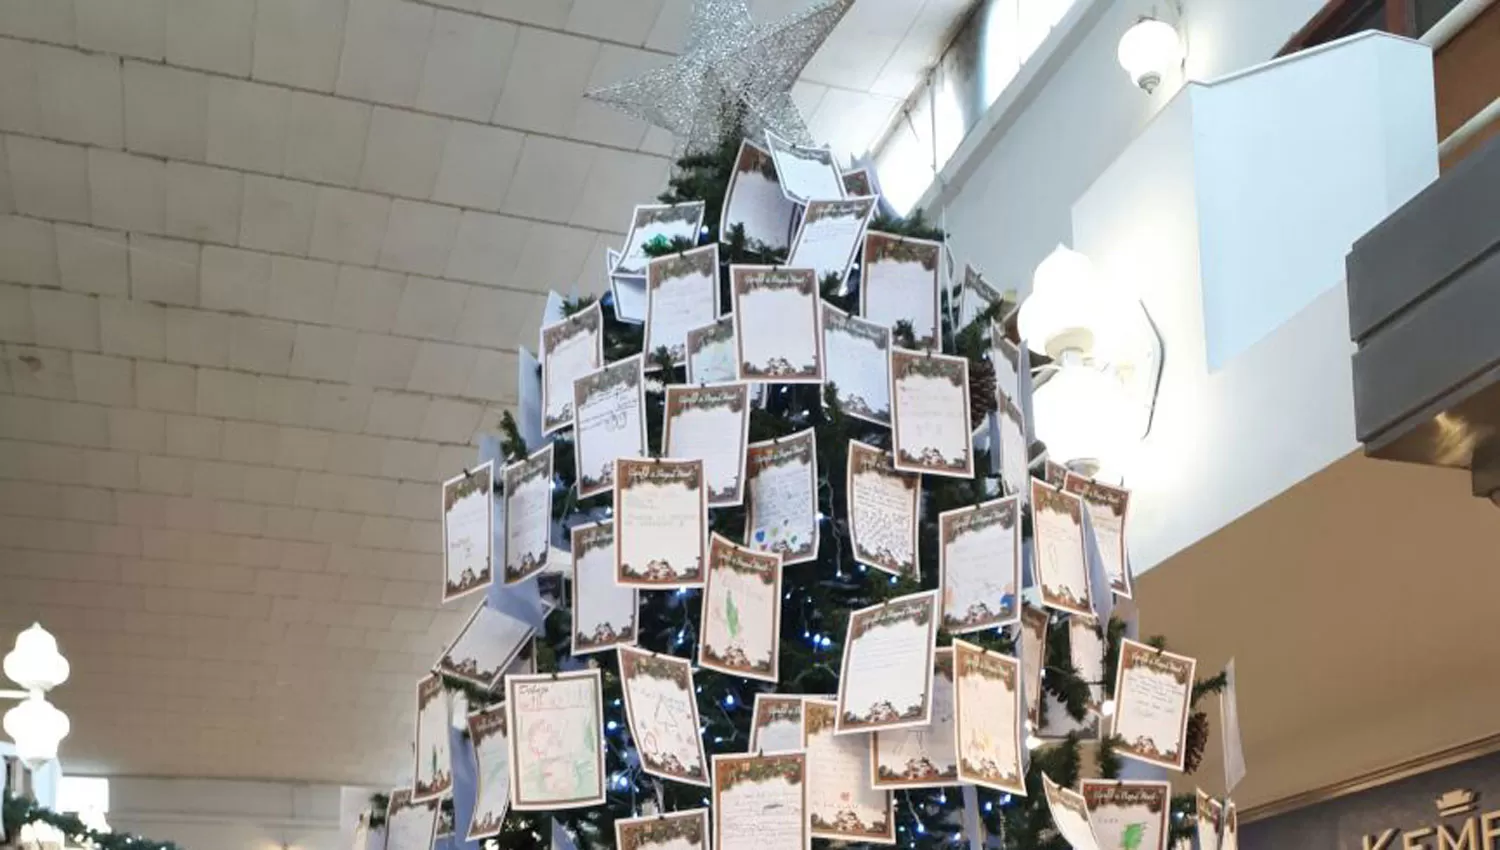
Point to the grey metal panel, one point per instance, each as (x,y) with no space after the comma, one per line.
(1444,228)
(1430,349)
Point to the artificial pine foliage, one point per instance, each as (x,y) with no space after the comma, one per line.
(817,596)
(24,811)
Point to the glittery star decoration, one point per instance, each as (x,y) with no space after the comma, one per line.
(731,74)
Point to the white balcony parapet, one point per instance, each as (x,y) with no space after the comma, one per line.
(1230,215)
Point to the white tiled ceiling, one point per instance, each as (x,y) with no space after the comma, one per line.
(264,268)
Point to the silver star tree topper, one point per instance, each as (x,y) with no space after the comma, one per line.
(732,75)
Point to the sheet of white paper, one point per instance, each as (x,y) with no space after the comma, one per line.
(686,830)
(1122,817)
(1151,710)
(988,718)
(978,295)
(555,723)
(882,511)
(570,349)
(922,756)
(1229,722)
(433,774)
(488,644)
(528,515)
(711,423)
(741,613)
(776,324)
(857,363)
(760,802)
(611,422)
(754,199)
(660,522)
(1108,509)
(1086,647)
(409,826)
(468,534)
(712,357)
(657,221)
(930,414)
(781,497)
(805,172)
(1062,570)
(662,710)
(604,613)
(1210,821)
(830,236)
(1033,653)
(841,803)
(776,724)
(899,281)
(886,679)
(683,294)
(1070,815)
(492,774)
(980,565)
(1015,454)
(629,292)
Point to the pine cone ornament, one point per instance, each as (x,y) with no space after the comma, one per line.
(1197,739)
(981,391)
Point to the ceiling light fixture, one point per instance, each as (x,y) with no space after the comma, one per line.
(1098,392)
(1148,50)
(35,725)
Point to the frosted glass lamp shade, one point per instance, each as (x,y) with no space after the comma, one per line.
(35,664)
(1068,309)
(1080,412)
(37,727)
(1148,51)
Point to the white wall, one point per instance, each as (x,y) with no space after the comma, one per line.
(1011,205)
(1222,441)
(1188,202)
(216,814)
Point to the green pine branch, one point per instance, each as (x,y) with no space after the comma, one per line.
(23,811)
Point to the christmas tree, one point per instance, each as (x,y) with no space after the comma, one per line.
(817,596)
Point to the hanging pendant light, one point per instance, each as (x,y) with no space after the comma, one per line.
(1148,50)
(35,664)
(37,727)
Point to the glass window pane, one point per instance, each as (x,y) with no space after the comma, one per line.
(999,55)
(1429,12)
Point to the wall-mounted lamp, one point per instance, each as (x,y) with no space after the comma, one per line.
(1148,50)
(1098,393)
(35,725)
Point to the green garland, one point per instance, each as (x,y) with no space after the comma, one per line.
(22,811)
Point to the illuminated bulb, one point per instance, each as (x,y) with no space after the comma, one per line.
(35,664)
(37,727)
(1079,411)
(1066,307)
(1148,51)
